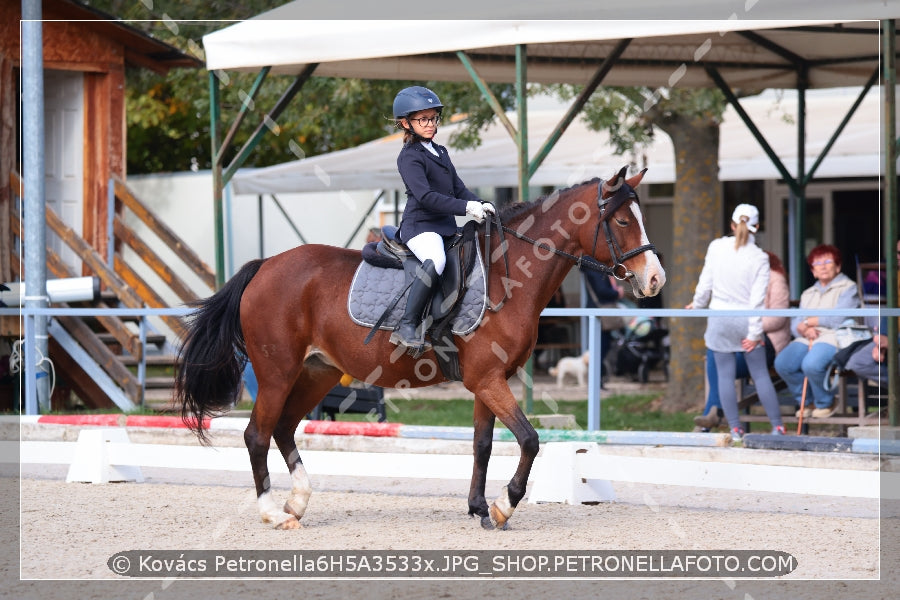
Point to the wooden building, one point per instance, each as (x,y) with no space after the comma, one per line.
(85,56)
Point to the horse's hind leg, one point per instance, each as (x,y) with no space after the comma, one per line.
(315,381)
(482,444)
(258,436)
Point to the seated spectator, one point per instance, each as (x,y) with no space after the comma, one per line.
(777,332)
(868,361)
(808,355)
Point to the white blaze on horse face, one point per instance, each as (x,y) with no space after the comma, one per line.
(652,266)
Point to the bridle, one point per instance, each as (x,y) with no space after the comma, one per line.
(608,207)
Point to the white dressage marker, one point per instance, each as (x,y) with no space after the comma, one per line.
(556,476)
(596,466)
(96,461)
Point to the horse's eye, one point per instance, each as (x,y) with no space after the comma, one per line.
(622,222)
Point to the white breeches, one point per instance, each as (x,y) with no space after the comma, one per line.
(429,245)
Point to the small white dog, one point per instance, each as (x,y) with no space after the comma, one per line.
(576,366)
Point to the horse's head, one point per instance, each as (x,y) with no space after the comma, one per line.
(623,244)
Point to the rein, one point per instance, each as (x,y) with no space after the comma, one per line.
(584,261)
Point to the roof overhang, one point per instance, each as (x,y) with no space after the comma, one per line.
(141,49)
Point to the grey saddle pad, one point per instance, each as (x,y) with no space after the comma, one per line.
(374,288)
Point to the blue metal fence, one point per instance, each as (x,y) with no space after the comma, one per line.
(594,369)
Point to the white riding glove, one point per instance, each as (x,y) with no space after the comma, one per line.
(475,210)
(488,208)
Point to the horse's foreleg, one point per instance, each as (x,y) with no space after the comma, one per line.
(501,401)
(502,508)
(482,444)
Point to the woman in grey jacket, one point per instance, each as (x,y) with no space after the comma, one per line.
(808,355)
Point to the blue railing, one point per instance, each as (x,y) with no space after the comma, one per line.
(593,314)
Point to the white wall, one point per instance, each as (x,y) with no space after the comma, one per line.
(184,202)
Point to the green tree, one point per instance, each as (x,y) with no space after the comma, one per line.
(691,117)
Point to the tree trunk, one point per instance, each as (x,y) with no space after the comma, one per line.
(696,214)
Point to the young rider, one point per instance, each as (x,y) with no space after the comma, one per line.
(434,196)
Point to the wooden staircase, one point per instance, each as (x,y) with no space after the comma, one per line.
(122,369)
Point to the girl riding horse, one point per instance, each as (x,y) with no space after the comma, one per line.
(284,314)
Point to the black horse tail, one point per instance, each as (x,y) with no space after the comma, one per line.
(213,355)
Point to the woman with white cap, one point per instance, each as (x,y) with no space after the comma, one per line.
(735,275)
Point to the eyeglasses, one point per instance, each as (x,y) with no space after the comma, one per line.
(425,121)
(819,263)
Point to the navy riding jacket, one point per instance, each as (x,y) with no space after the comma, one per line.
(434,192)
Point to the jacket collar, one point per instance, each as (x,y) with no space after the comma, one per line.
(442,152)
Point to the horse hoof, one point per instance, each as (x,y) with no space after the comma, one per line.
(487,523)
(291,523)
(499,520)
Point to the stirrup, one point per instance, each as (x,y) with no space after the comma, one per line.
(414,348)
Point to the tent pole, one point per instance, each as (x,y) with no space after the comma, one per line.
(745,118)
(288,219)
(362,220)
(246,106)
(795,200)
(268,122)
(218,184)
(840,128)
(524,177)
(522,109)
(488,95)
(259,217)
(889,60)
(576,107)
(798,248)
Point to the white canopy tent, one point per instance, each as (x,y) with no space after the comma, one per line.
(582,153)
(662,52)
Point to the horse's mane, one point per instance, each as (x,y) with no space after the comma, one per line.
(514,210)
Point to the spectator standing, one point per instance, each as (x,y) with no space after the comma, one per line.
(808,355)
(777,331)
(735,275)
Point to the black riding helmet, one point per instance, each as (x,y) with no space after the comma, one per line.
(413,99)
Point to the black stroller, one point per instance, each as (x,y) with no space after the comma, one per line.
(643,345)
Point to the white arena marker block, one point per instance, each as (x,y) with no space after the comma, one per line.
(558,476)
(94,462)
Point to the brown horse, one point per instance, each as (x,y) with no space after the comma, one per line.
(288,315)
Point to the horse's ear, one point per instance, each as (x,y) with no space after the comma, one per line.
(610,186)
(636,180)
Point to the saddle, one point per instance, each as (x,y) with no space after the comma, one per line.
(379,289)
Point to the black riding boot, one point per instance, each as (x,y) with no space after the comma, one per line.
(419,295)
